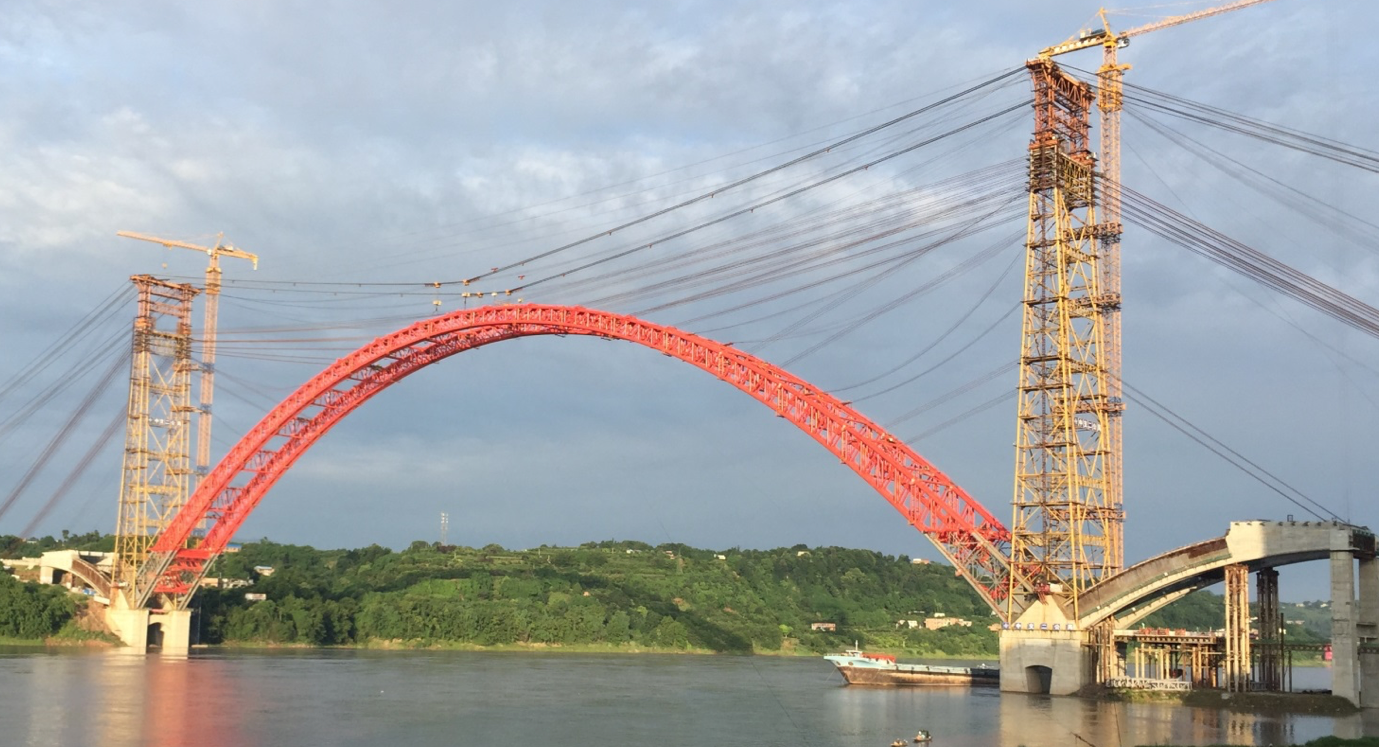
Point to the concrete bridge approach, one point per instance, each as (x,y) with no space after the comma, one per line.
(1057,650)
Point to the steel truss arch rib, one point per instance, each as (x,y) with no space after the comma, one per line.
(964,531)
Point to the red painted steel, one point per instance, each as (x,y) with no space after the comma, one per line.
(967,534)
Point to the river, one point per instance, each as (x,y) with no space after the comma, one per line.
(234,698)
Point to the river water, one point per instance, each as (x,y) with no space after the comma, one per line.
(416,699)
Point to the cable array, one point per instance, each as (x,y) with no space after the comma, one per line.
(802,245)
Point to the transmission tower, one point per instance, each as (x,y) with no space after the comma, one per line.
(157,474)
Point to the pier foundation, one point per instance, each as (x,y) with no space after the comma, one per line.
(1044,652)
(131,625)
(142,630)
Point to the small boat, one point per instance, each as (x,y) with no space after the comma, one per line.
(924,736)
(898,743)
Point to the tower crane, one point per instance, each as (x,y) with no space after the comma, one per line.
(1068,519)
(1109,102)
(220,249)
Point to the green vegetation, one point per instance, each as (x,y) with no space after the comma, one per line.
(16,547)
(607,594)
(596,597)
(32,611)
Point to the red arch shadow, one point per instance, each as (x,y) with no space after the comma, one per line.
(968,535)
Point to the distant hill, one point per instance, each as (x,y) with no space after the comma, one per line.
(614,593)
(605,595)
(1306,622)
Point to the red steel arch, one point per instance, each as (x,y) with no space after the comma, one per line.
(968,535)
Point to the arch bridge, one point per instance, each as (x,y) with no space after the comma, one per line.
(1050,638)
(969,536)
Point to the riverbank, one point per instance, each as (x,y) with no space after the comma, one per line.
(423,645)
(58,642)
(1314,704)
(1322,742)
(570,648)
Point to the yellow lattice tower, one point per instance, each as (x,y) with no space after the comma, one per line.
(1066,531)
(157,474)
(1068,519)
(1110,101)
(209,342)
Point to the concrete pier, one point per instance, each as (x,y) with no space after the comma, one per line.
(1367,630)
(177,631)
(1045,652)
(142,630)
(1345,674)
(131,625)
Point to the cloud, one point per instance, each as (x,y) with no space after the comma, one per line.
(359,143)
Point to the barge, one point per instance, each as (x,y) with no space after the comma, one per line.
(862,668)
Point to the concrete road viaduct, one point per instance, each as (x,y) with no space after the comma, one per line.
(1053,641)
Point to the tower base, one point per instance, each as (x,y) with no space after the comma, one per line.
(1043,652)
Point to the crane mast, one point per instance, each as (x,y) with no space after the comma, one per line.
(208,348)
(160,403)
(1067,528)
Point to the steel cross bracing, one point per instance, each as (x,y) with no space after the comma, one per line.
(156,475)
(209,342)
(1066,532)
(965,532)
(1110,99)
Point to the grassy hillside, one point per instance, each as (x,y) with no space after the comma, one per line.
(669,597)
(599,595)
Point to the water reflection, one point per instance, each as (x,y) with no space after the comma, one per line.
(1044,721)
(121,699)
(418,699)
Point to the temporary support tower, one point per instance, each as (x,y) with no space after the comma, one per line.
(157,472)
(1066,532)
(208,347)
(1069,484)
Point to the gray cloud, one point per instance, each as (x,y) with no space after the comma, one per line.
(349,141)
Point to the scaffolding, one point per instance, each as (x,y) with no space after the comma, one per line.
(1067,525)
(157,474)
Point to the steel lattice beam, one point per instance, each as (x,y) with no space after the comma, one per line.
(967,534)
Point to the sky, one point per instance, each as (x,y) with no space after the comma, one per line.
(348,143)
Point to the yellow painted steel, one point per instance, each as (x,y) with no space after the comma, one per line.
(1066,530)
(208,346)
(158,473)
(156,476)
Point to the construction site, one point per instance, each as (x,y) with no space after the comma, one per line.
(1055,577)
